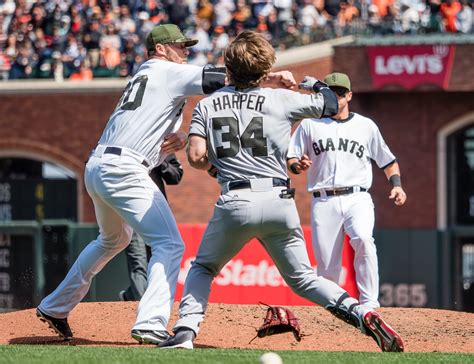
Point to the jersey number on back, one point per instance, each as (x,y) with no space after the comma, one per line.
(133,94)
(252,137)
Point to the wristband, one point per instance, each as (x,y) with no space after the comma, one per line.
(293,168)
(395,180)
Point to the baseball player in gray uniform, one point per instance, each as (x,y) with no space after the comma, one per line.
(337,152)
(244,131)
(141,132)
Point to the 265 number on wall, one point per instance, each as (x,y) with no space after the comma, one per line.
(403,295)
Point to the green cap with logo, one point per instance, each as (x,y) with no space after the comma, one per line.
(167,34)
(337,79)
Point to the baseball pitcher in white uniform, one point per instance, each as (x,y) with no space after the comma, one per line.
(244,131)
(337,153)
(141,132)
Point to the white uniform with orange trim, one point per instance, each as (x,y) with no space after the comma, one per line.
(341,152)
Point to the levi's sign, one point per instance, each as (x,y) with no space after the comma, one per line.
(411,66)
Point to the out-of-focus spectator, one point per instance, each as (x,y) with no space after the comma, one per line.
(220,41)
(7,9)
(75,19)
(434,16)
(145,25)
(310,19)
(201,33)
(223,10)
(92,42)
(109,55)
(347,13)
(110,48)
(5,66)
(11,46)
(57,37)
(204,11)
(242,16)
(124,24)
(449,11)
(410,18)
(84,73)
(465,17)
(22,65)
(374,19)
(383,6)
(178,12)
(71,56)
(291,36)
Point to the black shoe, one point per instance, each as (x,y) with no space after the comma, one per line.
(183,338)
(60,326)
(385,336)
(150,336)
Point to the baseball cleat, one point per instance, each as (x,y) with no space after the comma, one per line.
(182,339)
(150,336)
(59,326)
(386,337)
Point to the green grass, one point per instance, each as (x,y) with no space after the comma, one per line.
(147,355)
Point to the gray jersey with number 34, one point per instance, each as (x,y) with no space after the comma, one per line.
(248,131)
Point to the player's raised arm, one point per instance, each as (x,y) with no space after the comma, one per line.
(330,99)
(284,79)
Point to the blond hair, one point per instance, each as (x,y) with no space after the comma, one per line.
(248,59)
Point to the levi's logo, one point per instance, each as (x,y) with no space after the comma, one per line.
(410,66)
(396,65)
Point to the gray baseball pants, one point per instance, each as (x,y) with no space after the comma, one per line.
(239,216)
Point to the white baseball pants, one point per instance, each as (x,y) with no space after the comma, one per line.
(125,199)
(331,218)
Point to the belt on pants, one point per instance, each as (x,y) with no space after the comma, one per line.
(118,151)
(237,185)
(340,191)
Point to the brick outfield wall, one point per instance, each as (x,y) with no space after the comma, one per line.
(64,128)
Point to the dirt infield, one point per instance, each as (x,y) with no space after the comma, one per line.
(233,326)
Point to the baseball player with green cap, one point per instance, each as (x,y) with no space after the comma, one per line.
(338,152)
(167,34)
(141,132)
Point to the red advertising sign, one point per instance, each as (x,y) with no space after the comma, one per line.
(411,66)
(251,276)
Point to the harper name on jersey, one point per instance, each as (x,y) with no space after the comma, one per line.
(239,101)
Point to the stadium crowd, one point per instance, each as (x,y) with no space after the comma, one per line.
(83,39)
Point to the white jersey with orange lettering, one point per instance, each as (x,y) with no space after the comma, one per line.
(339,177)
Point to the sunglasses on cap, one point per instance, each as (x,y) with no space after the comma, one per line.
(339,91)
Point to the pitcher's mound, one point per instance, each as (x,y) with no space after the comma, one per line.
(233,326)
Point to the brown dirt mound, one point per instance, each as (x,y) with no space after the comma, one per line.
(233,326)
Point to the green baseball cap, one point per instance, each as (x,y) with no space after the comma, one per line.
(337,79)
(167,34)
